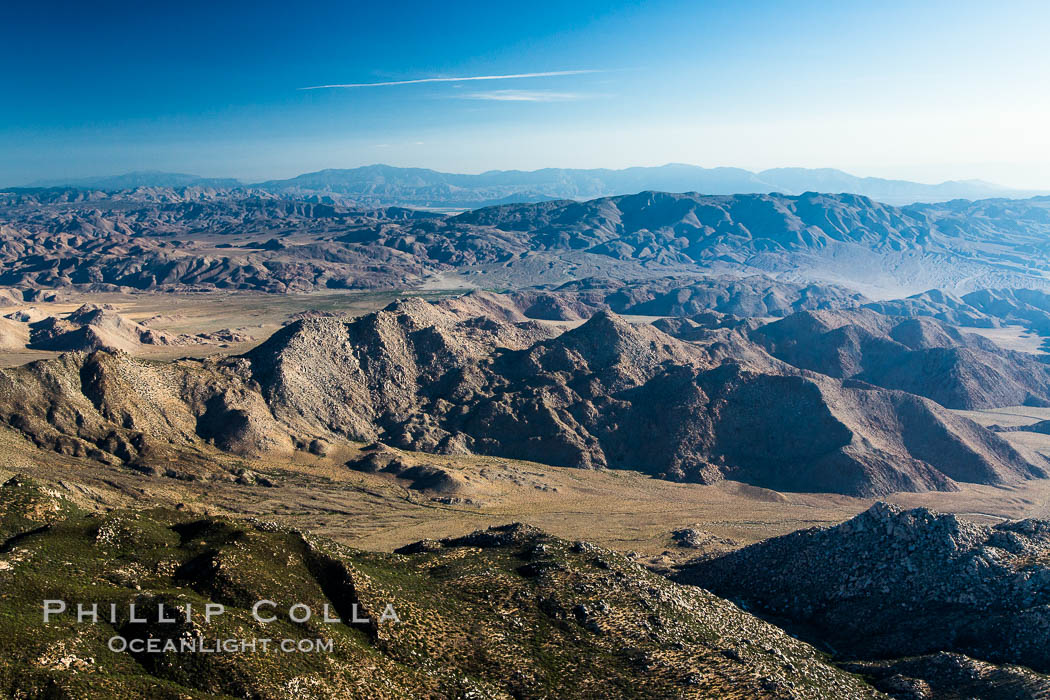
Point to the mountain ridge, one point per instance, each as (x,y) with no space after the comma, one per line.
(380,184)
(444,378)
(138,178)
(243,239)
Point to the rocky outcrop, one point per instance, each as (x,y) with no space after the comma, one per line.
(892,583)
(948,675)
(93,327)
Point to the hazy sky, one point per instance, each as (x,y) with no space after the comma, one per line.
(919,90)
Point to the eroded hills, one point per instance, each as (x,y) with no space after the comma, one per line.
(186,239)
(451,378)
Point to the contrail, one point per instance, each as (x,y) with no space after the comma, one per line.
(512,76)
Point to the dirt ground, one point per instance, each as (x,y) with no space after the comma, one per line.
(624,510)
(1012,338)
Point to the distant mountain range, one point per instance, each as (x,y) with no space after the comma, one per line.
(140,178)
(384,185)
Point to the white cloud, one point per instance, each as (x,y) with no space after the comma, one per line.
(415,81)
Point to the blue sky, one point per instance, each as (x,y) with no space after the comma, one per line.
(926,91)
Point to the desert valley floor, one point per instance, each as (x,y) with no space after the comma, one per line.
(620,509)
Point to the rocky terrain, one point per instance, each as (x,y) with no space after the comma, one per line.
(507,612)
(987,308)
(753,296)
(838,238)
(778,392)
(951,676)
(944,607)
(186,239)
(918,355)
(197,237)
(894,583)
(940,305)
(451,378)
(418,378)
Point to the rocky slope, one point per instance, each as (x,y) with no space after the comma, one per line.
(937,304)
(682,296)
(892,583)
(175,240)
(983,308)
(838,238)
(156,418)
(504,613)
(417,377)
(445,378)
(1027,307)
(918,355)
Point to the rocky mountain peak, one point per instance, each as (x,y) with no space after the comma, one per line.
(900,582)
(884,519)
(607,339)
